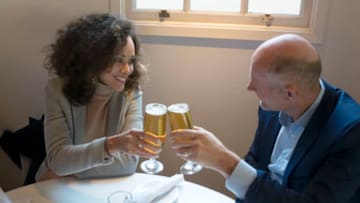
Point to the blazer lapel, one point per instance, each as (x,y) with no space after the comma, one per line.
(312,130)
(78,122)
(305,143)
(273,129)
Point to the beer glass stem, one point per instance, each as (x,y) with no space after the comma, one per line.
(152,166)
(190,168)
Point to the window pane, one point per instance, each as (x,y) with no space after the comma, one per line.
(216,5)
(291,7)
(159,4)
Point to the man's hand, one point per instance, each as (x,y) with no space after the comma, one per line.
(204,148)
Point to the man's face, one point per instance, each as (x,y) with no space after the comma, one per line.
(268,87)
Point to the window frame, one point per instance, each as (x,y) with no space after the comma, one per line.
(311,23)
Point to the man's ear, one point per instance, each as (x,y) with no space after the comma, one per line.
(291,92)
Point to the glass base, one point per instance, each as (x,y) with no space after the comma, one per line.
(120,196)
(190,168)
(152,166)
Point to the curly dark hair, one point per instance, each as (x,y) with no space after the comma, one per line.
(85,48)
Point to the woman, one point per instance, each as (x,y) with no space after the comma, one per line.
(93,116)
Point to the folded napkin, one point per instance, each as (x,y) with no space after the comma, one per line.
(153,190)
(3,197)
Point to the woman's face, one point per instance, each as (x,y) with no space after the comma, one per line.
(116,75)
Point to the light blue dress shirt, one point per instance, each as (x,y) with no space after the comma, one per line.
(290,132)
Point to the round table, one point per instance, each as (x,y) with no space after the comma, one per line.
(69,189)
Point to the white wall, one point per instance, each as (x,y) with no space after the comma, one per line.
(26,26)
(211,75)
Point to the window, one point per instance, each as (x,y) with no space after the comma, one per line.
(228,19)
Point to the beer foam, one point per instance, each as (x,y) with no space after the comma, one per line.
(179,108)
(155,109)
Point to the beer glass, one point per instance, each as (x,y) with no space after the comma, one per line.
(180,118)
(155,125)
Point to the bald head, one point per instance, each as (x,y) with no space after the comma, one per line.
(291,57)
(291,46)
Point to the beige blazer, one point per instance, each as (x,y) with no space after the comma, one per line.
(67,154)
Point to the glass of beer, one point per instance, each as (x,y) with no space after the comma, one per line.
(180,118)
(155,125)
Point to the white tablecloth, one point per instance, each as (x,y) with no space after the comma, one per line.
(69,190)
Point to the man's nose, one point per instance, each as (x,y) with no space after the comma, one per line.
(249,86)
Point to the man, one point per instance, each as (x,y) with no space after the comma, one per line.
(307,144)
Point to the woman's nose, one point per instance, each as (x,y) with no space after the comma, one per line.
(126,68)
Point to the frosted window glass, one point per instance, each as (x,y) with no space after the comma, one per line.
(159,4)
(291,7)
(216,5)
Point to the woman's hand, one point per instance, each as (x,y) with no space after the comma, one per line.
(134,142)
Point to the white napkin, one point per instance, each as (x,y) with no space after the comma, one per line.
(148,192)
(3,197)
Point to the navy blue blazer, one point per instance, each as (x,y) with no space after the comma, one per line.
(325,164)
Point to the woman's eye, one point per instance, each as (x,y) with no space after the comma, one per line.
(123,60)
(132,61)
(119,60)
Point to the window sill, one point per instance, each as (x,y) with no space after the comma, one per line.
(314,32)
(224,31)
